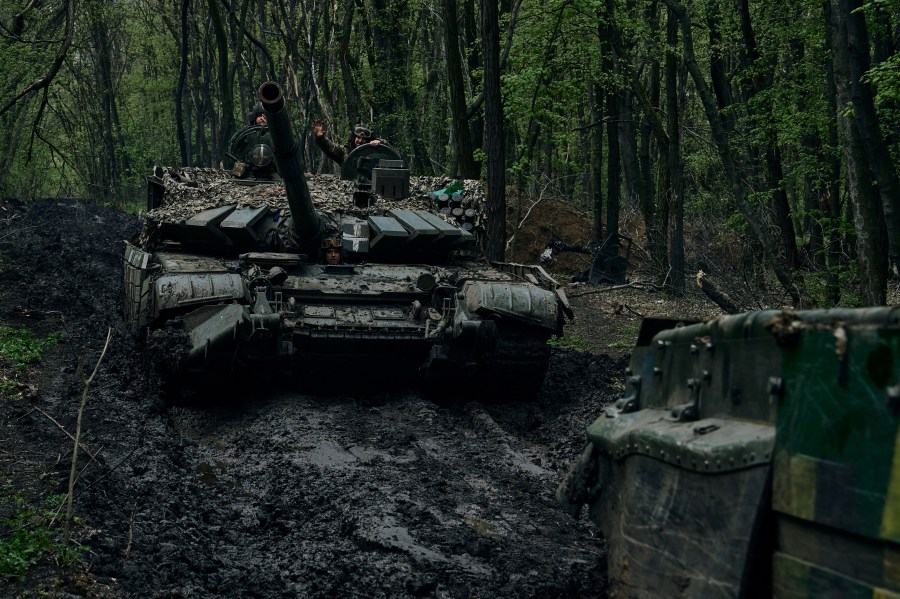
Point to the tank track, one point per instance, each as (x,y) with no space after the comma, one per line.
(517,365)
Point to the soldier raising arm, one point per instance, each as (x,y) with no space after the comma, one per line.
(361,135)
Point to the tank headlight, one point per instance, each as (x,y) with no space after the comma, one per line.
(261,155)
(426,281)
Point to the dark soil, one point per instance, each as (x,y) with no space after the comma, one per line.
(270,493)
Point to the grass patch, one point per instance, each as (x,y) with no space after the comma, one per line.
(21,347)
(134,207)
(30,534)
(8,387)
(568,341)
(628,334)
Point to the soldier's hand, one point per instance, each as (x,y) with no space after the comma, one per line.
(318,128)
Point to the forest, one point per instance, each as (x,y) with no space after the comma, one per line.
(743,136)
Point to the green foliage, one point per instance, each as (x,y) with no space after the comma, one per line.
(30,534)
(8,387)
(22,348)
(885,79)
(846,278)
(737,223)
(628,336)
(568,341)
(134,207)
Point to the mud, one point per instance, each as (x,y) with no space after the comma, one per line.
(271,493)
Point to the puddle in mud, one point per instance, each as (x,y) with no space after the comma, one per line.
(330,454)
(210,473)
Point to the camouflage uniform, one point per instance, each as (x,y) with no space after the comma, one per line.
(339,153)
(332,150)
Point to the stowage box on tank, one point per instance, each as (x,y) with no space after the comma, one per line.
(229,277)
(752,456)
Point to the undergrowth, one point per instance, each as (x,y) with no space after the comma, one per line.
(29,534)
(21,347)
(627,335)
(568,341)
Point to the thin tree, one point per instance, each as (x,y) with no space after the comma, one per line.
(675,163)
(464,159)
(494,140)
(867,212)
(874,145)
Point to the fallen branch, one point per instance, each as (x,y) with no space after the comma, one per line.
(131,529)
(63,429)
(635,285)
(718,297)
(110,470)
(633,311)
(84,396)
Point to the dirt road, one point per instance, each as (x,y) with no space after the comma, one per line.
(271,493)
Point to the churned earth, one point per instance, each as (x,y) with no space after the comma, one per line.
(271,493)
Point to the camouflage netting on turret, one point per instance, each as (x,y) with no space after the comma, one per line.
(193,190)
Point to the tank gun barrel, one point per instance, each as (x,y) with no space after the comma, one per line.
(307,226)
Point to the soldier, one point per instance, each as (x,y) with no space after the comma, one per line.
(251,147)
(258,116)
(361,135)
(331,246)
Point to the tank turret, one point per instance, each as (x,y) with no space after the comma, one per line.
(307,226)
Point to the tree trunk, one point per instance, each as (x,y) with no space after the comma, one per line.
(389,73)
(767,153)
(495,242)
(648,197)
(351,92)
(226,97)
(181,91)
(780,206)
(596,98)
(867,213)
(873,143)
(833,181)
(613,161)
(534,125)
(717,66)
(473,54)
(463,159)
(676,178)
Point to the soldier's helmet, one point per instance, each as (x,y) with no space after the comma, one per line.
(332,241)
(364,132)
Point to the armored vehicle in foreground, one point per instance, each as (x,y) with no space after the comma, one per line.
(228,276)
(752,456)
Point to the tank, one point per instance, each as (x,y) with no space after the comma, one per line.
(228,277)
(755,455)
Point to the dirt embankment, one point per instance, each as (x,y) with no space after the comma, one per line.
(271,493)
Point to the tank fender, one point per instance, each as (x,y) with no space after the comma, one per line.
(222,328)
(171,292)
(519,301)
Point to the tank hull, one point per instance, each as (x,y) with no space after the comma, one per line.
(384,323)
